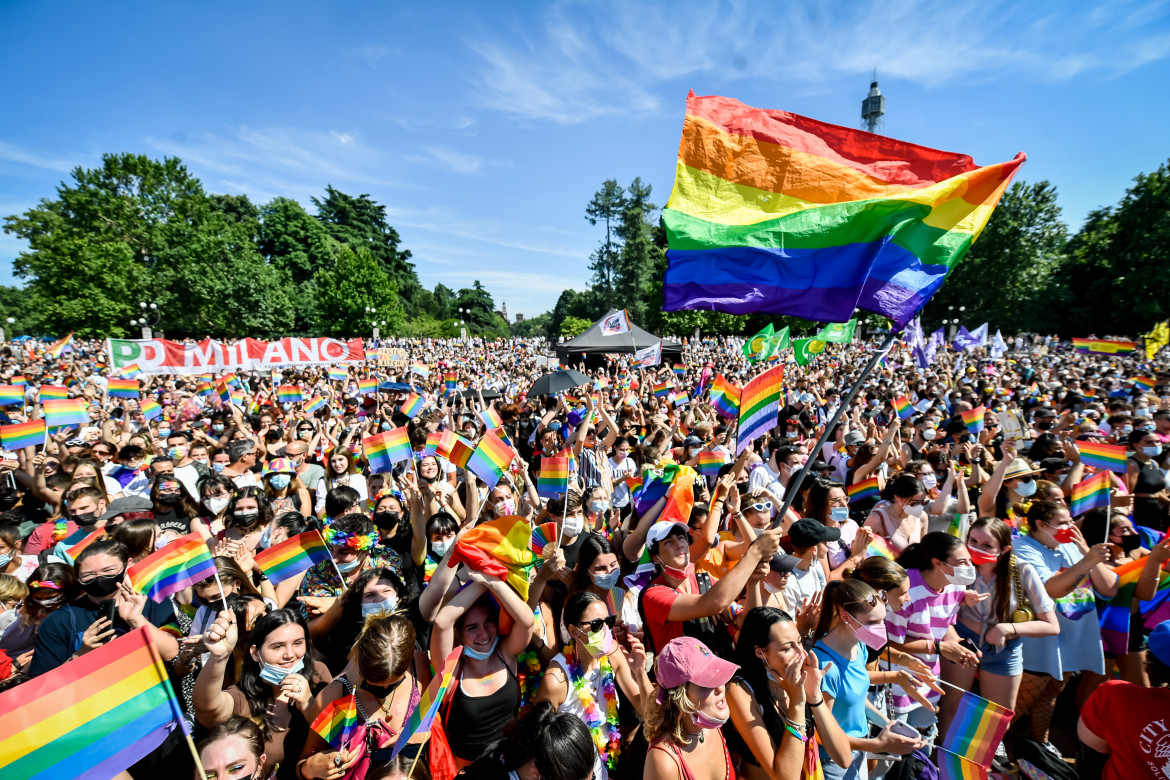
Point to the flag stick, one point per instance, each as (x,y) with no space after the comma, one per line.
(222,593)
(794,484)
(416,755)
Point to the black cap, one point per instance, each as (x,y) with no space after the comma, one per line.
(782,563)
(807,532)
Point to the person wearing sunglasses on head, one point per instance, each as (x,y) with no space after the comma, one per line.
(900,518)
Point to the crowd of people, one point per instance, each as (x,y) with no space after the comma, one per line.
(700,634)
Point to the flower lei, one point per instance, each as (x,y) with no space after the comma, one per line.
(528,674)
(607,737)
(358,542)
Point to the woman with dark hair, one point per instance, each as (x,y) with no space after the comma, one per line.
(584,678)
(232,750)
(374,591)
(599,571)
(828,503)
(50,587)
(279,677)
(138,536)
(778,683)
(539,743)
(248,516)
(172,505)
(900,518)
(215,496)
(340,470)
(1145,480)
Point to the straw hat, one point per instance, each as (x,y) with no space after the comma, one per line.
(1020,468)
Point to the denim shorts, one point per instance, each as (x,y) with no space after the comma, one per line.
(1007,662)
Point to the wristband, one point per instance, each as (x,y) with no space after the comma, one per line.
(816,703)
(795,733)
(937,647)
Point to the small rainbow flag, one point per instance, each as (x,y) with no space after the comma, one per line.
(725,398)
(428,706)
(122,388)
(293,556)
(421,369)
(662,390)
(53,392)
(229,379)
(338,721)
(866,489)
(150,410)
(1106,457)
(65,413)
(338,374)
(225,394)
(879,546)
(1091,493)
(314,404)
(450,382)
(977,729)
(953,767)
(439,443)
(181,563)
(903,407)
(371,354)
(413,404)
(289,394)
(679,368)
(461,451)
(542,536)
(383,450)
(490,419)
(553,479)
(204,389)
(759,406)
(710,462)
(367,386)
(237,398)
(75,549)
(973,419)
(1144,382)
(1104,346)
(132,371)
(91,717)
(490,459)
(11,395)
(634,483)
(19,380)
(21,435)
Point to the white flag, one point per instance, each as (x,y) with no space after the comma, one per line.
(613,324)
(650,356)
(998,346)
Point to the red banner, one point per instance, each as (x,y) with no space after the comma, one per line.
(159,356)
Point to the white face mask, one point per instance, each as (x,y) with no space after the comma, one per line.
(218,504)
(962,575)
(572,525)
(929,481)
(928,434)
(915,511)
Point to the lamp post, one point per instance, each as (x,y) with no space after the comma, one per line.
(148,325)
(462,330)
(370,312)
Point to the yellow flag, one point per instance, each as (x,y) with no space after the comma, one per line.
(1157,338)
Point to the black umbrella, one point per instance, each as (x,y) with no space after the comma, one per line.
(488,395)
(558,382)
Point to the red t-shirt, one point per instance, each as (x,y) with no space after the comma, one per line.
(1135,721)
(656,603)
(42,537)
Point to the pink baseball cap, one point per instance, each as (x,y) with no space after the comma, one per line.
(686,659)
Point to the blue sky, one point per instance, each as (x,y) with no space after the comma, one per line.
(486,127)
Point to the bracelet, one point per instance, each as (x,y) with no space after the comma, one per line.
(792,723)
(795,733)
(816,703)
(937,647)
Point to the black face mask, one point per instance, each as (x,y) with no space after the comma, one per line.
(103,585)
(169,499)
(387,520)
(1131,542)
(429,480)
(1043,425)
(380,692)
(85,519)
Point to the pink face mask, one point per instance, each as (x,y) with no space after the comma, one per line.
(872,636)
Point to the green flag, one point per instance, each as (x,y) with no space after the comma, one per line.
(755,347)
(838,332)
(804,350)
(780,341)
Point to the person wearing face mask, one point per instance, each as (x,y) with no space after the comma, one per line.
(828,503)
(584,679)
(1072,572)
(354,543)
(170,504)
(900,517)
(215,495)
(940,571)
(386,692)
(51,586)
(233,750)
(107,608)
(594,506)
(1006,602)
(284,488)
(11,561)
(375,591)
(1147,483)
(598,571)
(310,474)
(567,511)
(621,466)
(925,432)
(851,625)
(1012,482)
(279,677)
(249,518)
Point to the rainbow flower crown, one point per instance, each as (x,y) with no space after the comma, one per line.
(359,542)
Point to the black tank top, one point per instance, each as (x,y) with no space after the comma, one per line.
(474,722)
(1150,479)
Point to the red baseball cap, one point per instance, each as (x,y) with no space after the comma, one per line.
(686,659)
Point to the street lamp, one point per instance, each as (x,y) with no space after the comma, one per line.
(156,315)
(371,312)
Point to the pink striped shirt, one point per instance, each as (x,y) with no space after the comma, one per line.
(927,614)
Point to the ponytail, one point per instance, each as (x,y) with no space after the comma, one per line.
(936,544)
(840,594)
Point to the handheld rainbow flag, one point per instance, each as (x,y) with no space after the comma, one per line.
(977,729)
(89,718)
(779,213)
(662,390)
(490,459)
(861,491)
(1106,457)
(204,389)
(295,555)
(439,443)
(150,410)
(385,449)
(879,546)
(237,398)
(491,419)
(122,388)
(338,374)
(1104,346)
(314,404)
(55,392)
(181,563)
(953,767)
(1144,383)
(75,549)
(11,395)
(679,368)
(903,407)
(1091,493)
(500,547)
(367,386)
(450,383)
(725,398)
(413,404)
(428,706)
(21,435)
(65,413)
(973,419)
(542,536)
(461,451)
(421,369)
(553,480)
(759,406)
(56,349)
(132,371)
(19,380)
(289,394)
(710,462)
(338,721)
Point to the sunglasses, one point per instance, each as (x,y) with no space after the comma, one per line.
(760,506)
(872,601)
(595,625)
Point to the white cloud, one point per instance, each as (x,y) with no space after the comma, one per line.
(24,156)
(454,161)
(374,54)
(345,138)
(441,221)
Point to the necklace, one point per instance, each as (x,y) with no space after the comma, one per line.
(607,737)
(701,734)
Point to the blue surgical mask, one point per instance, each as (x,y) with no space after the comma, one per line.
(839,513)
(377,608)
(5,559)
(265,538)
(217,428)
(218,467)
(606,581)
(1026,489)
(280,481)
(164,433)
(275,674)
(1151,452)
(345,568)
(471,652)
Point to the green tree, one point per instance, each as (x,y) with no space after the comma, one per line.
(356,281)
(571,303)
(638,255)
(606,207)
(533,326)
(14,303)
(574,326)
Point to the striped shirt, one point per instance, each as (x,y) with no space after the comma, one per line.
(927,614)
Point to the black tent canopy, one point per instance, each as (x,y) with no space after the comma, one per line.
(593,343)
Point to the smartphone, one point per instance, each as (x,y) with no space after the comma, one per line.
(903,729)
(967,643)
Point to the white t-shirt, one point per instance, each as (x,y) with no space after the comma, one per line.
(619,471)
(804,585)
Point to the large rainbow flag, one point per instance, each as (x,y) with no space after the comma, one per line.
(774,212)
(498,547)
(293,556)
(1104,346)
(89,718)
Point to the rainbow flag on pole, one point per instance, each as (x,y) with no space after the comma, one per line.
(58,347)
(490,419)
(450,383)
(759,406)
(860,491)
(338,374)
(903,407)
(122,388)
(710,462)
(1103,346)
(89,718)
(490,459)
(553,480)
(775,212)
(954,767)
(367,386)
(413,404)
(385,449)
(973,419)
(461,451)
(977,729)
(439,443)
(313,404)
(338,721)
(288,394)
(1105,457)
(150,410)
(181,563)
(725,398)
(293,556)
(21,435)
(65,413)
(428,706)
(1091,493)
(55,392)
(1144,383)
(11,395)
